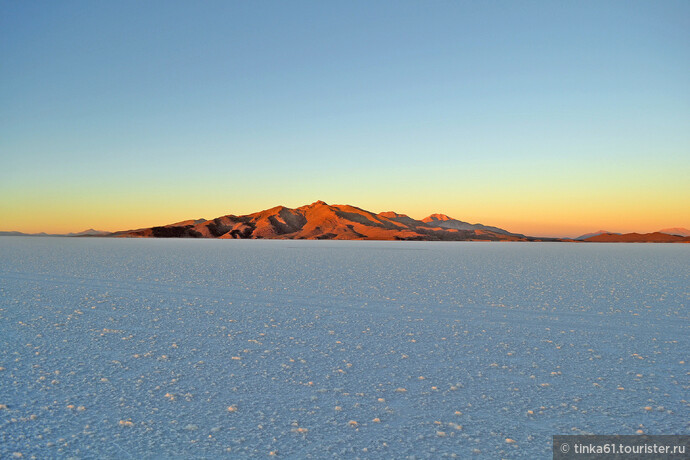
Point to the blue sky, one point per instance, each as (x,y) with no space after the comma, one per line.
(126,114)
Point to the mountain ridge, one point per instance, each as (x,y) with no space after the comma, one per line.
(445,221)
(320,220)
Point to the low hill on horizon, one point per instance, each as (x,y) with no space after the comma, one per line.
(89,232)
(679,231)
(655,237)
(597,233)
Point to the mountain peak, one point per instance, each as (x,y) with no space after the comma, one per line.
(437,217)
(391,214)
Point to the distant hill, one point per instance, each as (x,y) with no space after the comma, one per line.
(680,231)
(656,237)
(320,220)
(600,232)
(27,234)
(89,232)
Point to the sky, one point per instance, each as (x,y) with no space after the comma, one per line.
(544,118)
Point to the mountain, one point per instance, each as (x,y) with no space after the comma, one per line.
(322,221)
(443,221)
(27,234)
(656,237)
(680,231)
(89,232)
(600,232)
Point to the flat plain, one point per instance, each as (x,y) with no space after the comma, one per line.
(127,348)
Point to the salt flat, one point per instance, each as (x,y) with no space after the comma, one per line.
(309,349)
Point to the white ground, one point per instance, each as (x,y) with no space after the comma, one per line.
(187,348)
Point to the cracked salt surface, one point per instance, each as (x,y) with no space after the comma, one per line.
(297,349)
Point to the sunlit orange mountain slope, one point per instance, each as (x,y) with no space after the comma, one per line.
(322,221)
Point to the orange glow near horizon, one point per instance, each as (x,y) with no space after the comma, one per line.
(552,200)
(535,217)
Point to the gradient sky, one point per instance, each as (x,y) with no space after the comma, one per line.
(545,118)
